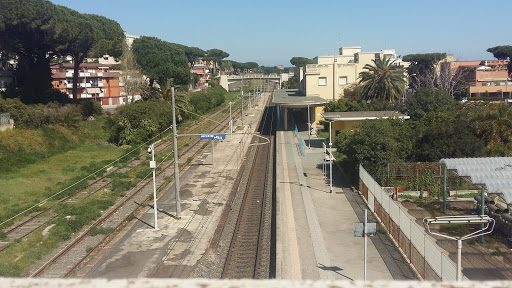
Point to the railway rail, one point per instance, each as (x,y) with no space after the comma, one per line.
(78,251)
(38,220)
(32,223)
(248,253)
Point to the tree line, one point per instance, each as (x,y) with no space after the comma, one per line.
(35,32)
(440,127)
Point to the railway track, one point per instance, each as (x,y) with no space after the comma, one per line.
(32,223)
(68,260)
(248,255)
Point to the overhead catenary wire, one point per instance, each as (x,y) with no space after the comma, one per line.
(96,172)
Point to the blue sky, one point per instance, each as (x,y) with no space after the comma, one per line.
(272,32)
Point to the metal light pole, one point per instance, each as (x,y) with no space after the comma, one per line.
(176,164)
(230,122)
(330,154)
(365,241)
(152,165)
(242,97)
(309,129)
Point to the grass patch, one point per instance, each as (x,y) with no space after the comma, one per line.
(20,255)
(95,230)
(323,134)
(468,195)
(119,185)
(52,159)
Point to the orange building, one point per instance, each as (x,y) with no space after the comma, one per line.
(202,69)
(485,78)
(95,81)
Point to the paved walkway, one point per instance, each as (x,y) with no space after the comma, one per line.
(315,227)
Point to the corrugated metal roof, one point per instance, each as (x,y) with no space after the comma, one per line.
(494,172)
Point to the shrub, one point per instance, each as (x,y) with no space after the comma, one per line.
(90,108)
(138,122)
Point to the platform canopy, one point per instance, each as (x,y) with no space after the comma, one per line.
(294,99)
(494,172)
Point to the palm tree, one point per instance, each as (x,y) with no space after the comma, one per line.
(180,99)
(383,80)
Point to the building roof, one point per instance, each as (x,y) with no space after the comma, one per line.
(494,172)
(362,115)
(292,97)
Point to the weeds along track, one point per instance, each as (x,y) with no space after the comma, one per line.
(248,255)
(29,224)
(65,262)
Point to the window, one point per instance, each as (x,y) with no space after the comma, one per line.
(342,80)
(322,81)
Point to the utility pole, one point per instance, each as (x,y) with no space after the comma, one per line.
(230,122)
(309,129)
(152,165)
(330,155)
(176,164)
(242,97)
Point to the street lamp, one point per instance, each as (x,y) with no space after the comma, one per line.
(471,219)
(152,165)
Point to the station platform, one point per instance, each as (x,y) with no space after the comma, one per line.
(315,238)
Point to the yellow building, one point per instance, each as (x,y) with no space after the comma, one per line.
(328,76)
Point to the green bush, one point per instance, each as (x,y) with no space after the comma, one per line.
(204,102)
(37,116)
(89,108)
(138,122)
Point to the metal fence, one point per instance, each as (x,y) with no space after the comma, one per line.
(429,260)
(5,119)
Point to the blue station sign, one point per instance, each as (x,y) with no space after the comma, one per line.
(212,137)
